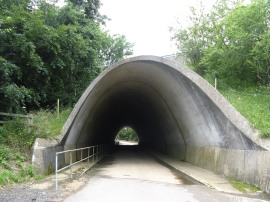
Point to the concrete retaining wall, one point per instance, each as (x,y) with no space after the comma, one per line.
(43,156)
(249,166)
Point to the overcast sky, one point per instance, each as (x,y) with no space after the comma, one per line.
(146,22)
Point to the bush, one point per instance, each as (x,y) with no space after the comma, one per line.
(17,135)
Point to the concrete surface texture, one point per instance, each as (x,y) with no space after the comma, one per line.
(133,175)
(173,110)
(162,101)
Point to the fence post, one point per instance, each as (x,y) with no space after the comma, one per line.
(57,108)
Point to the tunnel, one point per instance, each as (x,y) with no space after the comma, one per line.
(173,110)
(169,106)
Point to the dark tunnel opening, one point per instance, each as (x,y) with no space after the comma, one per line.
(136,105)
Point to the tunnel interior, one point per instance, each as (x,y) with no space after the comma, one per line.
(165,107)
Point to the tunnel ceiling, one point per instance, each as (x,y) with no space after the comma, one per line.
(168,105)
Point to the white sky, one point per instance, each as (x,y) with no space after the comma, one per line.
(146,22)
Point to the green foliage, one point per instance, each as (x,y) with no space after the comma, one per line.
(50,53)
(19,134)
(47,124)
(90,8)
(243,187)
(253,104)
(116,49)
(16,139)
(230,43)
(14,166)
(127,134)
(12,96)
(15,134)
(7,177)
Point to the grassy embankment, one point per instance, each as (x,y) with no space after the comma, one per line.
(16,139)
(254,105)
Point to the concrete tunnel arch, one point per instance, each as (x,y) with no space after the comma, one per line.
(170,107)
(173,110)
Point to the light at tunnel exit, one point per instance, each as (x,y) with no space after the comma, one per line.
(126,136)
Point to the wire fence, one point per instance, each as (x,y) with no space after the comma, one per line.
(253,94)
(223,86)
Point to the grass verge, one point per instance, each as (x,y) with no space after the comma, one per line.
(253,104)
(16,139)
(245,188)
(15,167)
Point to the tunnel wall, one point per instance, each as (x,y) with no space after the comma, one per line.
(249,166)
(174,111)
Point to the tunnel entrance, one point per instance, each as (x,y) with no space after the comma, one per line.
(172,109)
(126,136)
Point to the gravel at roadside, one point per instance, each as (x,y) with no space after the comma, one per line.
(43,190)
(21,193)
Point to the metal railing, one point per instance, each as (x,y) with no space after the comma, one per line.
(95,152)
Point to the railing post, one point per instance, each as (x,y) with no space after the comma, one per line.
(56,172)
(70,162)
(81,158)
(88,154)
(100,151)
(81,154)
(97,152)
(93,155)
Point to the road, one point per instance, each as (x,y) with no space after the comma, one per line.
(133,175)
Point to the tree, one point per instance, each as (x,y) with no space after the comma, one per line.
(90,9)
(115,49)
(49,53)
(229,43)
(12,96)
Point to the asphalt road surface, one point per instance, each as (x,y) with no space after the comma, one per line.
(133,175)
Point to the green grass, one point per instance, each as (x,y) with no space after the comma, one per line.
(254,105)
(48,124)
(15,166)
(16,139)
(243,187)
